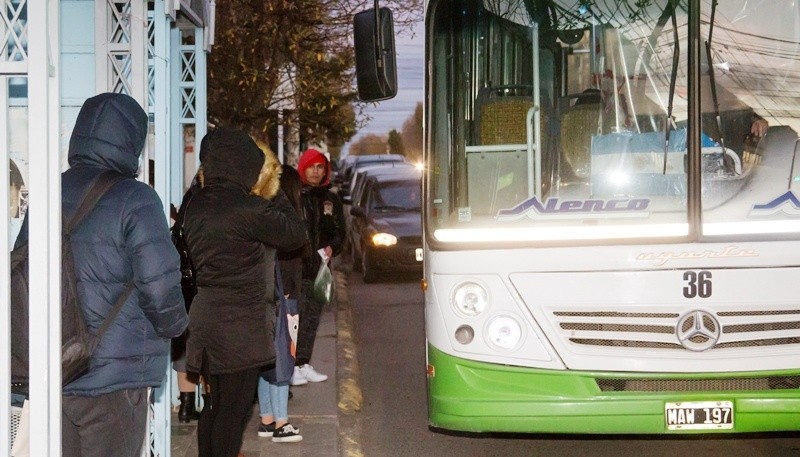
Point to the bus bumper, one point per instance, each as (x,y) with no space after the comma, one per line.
(474,396)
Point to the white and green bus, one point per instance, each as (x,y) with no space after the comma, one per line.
(612,215)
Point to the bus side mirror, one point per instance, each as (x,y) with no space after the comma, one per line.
(376,69)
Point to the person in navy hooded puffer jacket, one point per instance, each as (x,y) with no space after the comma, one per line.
(125,238)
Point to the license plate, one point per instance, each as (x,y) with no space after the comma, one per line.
(418,254)
(699,415)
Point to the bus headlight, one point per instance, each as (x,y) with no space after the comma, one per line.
(470,298)
(504,332)
(384,239)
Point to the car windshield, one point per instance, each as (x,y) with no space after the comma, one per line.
(396,196)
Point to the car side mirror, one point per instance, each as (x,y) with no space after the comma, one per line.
(376,67)
(357,211)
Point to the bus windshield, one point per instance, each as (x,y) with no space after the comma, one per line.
(568,122)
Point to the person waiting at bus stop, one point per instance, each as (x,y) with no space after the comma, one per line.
(233,226)
(124,240)
(273,387)
(324,218)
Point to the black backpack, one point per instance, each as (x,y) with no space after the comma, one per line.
(77,344)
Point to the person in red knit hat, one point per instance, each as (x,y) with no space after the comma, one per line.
(324,217)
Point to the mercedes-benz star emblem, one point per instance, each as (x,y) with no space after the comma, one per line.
(698,330)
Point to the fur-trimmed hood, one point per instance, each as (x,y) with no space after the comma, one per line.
(232,158)
(269,180)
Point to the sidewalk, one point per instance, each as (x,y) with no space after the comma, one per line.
(313,409)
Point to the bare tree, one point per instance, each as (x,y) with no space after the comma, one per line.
(395,143)
(369,144)
(412,134)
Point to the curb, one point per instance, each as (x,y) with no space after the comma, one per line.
(349,396)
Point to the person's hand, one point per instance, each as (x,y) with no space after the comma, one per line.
(759,127)
(328,251)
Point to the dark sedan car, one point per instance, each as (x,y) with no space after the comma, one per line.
(353,163)
(386,228)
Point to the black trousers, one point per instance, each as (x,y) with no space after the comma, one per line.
(221,427)
(310,314)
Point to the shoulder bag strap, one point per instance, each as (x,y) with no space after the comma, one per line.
(279,280)
(115,310)
(96,190)
(179,231)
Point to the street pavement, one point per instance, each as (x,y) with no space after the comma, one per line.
(314,407)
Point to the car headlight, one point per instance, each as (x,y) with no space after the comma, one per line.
(384,239)
(470,298)
(504,332)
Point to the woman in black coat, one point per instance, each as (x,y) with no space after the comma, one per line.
(233,227)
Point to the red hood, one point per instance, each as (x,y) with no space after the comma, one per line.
(313,156)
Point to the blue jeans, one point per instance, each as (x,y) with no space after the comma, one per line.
(273,399)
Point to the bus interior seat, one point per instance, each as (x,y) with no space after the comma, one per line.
(501,114)
(578,124)
(501,119)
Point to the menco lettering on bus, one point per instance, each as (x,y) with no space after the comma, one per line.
(592,206)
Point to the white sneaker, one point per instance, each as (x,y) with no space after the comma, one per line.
(310,374)
(297,378)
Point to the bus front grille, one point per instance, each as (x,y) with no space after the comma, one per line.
(692,385)
(662,330)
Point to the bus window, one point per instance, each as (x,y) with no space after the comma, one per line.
(546,128)
(508,137)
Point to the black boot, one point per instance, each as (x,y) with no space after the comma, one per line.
(186,411)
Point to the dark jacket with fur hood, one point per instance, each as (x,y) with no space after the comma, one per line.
(233,225)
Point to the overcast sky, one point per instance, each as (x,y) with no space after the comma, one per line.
(391,114)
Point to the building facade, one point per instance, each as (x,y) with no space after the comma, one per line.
(55,55)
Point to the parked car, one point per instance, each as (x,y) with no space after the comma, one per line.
(344,163)
(345,174)
(386,226)
(357,185)
(372,169)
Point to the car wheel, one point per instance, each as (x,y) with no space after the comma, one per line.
(367,264)
(356,259)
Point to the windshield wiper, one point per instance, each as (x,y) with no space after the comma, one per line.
(712,78)
(673,76)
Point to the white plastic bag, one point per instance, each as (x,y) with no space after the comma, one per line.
(323,283)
